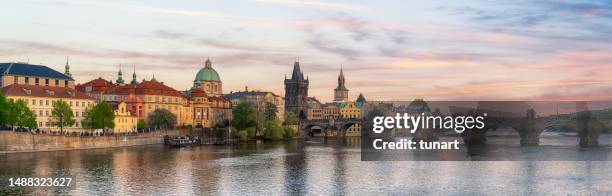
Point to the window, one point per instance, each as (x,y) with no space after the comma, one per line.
(40,113)
(149,98)
(77,104)
(33,101)
(70,103)
(56,82)
(27,80)
(47,113)
(47,102)
(40,102)
(65,82)
(46,82)
(16,79)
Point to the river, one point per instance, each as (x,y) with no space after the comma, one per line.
(295,167)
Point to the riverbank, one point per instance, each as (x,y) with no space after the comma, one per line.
(20,142)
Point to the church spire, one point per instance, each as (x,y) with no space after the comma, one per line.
(120,76)
(153,79)
(341,80)
(134,81)
(67,67)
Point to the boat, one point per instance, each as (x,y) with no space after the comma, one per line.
(182,141)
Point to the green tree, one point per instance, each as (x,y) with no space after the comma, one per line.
(289,132)
(290,118)
(274,130)
(61,115)
(105,115)
(4,109)
(141,124)
(89,119)
(100,116)
(243,116)
(162,118)
(270,111)
(243,135)
(21,115)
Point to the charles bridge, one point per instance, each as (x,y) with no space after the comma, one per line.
(528,125)
(328,127)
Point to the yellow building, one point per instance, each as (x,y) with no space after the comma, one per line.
(351,110)
(40,87)
(125,122)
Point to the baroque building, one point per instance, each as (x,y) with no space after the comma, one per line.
(40,87)
(296,92)
(200,106)
(258,100)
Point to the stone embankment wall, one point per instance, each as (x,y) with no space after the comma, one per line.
(11,142)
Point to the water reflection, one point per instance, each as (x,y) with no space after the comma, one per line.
(296,168)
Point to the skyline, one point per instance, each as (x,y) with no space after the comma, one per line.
(390,50)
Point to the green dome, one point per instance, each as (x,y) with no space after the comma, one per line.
(207,74)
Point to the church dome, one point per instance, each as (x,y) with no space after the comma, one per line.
(207,73)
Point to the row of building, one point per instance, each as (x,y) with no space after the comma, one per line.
(40,86)
(298,101)
(203,105)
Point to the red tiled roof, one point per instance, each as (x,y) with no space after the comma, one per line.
(43,91)
(97,85)
(197,92)
(156,88)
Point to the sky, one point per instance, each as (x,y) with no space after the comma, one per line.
(390,50)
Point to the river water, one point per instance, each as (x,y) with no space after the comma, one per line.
(296,167)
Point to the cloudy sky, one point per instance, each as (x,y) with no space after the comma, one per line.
(390,50)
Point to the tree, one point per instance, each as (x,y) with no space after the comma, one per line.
(61,115)
(141,124)
(100,116)
(289,132)
(290,118)
(89,119)
(162,118)
(105,115)
(274,129)
(21,115)
(4,109)
(270,111)
(243,116)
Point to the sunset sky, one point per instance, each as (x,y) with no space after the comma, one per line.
(390,50)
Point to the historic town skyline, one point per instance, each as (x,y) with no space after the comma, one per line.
(389,51)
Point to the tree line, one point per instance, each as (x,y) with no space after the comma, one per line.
(251,124)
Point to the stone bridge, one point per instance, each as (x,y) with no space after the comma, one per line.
(328,126)
(530,127)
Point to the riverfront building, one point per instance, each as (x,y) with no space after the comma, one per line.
(258,100)
(125,121)
(341,107)
(40,86)
(202,105)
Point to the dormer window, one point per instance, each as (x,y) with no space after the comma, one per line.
(27,91)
